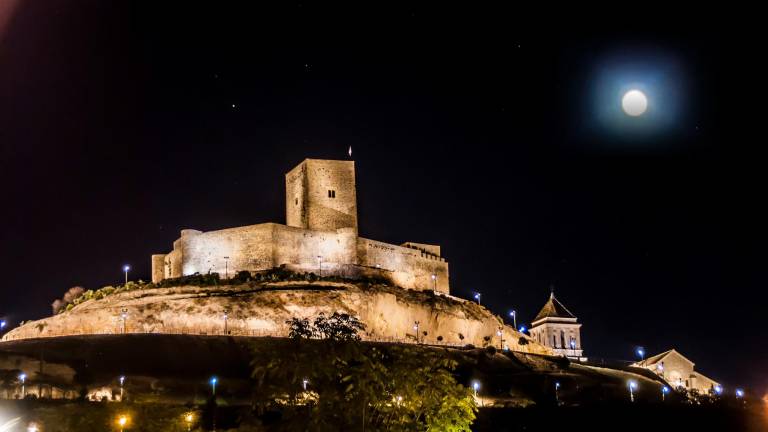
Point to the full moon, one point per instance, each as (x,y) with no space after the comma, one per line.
(634,103)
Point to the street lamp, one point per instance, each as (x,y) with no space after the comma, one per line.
(513,314)
(500,334)
(632,384)
(304,383)
(126,268)
(123,317)
(434,282)
(122,421)
(640,353)
(475,386)
(718,390)
(226,316)
(226,267)
(3,324)
(189,418)
(416,328)
(522,329)
(33,427)
(477,297)
(739,393)
(557,391)
(122,381)
(664,392)
(23,379)
(214,380)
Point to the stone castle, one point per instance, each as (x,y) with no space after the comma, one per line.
(320,236)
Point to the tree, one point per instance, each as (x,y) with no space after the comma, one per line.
(352,385)
(299,328)
(68,298)
(339,326)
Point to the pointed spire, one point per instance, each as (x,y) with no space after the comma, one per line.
(553,309)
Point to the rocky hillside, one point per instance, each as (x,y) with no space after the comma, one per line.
(261,309)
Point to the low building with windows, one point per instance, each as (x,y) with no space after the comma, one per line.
(556,327)
(678,371)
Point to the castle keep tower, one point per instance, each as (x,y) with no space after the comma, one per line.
(320,195)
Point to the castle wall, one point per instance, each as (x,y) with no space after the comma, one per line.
(320,237)
(299,249)
(406,267)
(227,251)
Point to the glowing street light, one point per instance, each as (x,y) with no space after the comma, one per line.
(513,314)
(23,379)
(434,282)
(718,390)
(416,329)
(126,268)
(122,421)
(739,393)
(189,418)
(664,392)
(123,317)
(477,297)
(226,316)
(632,384)
(33,427)
(500,334)
(122,381)
(475,386)
(522,329)
(214,380)
(3,324)
(304,383)
(557,391)
(640,351)
(573,346)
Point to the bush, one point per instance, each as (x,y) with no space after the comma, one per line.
(490,349)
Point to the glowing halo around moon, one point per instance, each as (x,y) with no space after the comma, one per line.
(634,103)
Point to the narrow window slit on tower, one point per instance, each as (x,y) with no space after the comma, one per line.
(331,193)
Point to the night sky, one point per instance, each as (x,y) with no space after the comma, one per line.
(479,130)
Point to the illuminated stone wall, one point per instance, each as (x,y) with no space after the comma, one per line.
(406,267)
(320,237)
